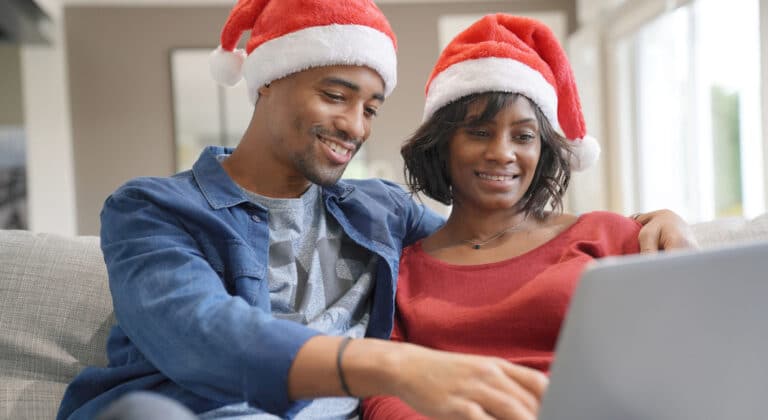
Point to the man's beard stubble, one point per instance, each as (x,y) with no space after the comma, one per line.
(308,166)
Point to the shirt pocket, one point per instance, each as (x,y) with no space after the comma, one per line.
(247,272)
(240,269)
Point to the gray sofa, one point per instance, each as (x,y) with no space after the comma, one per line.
(55,314)
(56,310)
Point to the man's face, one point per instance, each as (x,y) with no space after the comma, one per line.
(319,118)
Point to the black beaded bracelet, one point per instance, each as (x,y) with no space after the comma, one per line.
(339,355)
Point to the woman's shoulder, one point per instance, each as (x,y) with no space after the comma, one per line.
(563,220)
(608,227)
(412,249)
(593,225)
(609,219)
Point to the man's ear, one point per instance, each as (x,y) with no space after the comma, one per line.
(265,90)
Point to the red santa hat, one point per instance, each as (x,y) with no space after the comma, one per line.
(505,53)
(288,36)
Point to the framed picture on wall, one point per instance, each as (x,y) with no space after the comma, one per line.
(204,113)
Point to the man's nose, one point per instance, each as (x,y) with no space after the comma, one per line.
(353,123)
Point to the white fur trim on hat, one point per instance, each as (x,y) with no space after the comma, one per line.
(586,151)
(317,46)
(226,66)
(487,75)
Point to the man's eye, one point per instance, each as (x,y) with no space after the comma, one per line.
(371,112)
(334,96)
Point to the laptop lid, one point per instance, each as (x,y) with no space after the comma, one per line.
(676,336)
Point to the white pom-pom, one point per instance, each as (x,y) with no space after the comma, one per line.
(586,151)
(226,66)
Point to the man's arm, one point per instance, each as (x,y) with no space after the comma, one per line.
(438,384)
(175,308)
(420,221)
(663,230)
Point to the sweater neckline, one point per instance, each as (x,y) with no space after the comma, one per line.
(417,248)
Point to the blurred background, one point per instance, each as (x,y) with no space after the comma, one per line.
(95,92)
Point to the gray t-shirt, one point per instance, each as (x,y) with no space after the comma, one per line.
(317,276)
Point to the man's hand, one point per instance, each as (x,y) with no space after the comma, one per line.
(446,385)
(438,384)
(663,230)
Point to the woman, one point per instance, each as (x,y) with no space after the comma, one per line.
(497,278)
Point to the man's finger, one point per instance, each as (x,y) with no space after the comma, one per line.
(641,218)
(508,388)
(502,405)
(467,410)
(650,234)
(649,239)
(532,380)
(679,242)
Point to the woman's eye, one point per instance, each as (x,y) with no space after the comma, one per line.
(526,137)
(477,132)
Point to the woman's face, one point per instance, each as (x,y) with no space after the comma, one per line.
(492,163)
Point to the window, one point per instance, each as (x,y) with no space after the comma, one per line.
(688,114)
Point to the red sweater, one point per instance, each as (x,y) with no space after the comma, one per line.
(511,309)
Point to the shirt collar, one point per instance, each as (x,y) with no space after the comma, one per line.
(217,187)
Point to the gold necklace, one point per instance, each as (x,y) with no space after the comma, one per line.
(477,244)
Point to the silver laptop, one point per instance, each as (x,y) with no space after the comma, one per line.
(677,336)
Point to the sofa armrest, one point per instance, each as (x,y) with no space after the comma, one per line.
(56,314)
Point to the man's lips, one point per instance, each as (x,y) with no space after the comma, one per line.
(338,152)
(337,147)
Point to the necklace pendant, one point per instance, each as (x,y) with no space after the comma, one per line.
(476,246)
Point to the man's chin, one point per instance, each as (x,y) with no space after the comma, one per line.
(326,179)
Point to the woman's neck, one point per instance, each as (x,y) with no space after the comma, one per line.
(478,226)
(500,235)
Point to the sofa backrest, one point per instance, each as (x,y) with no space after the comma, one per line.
(55,315)
(731,230)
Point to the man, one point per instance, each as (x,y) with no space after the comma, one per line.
(234,283)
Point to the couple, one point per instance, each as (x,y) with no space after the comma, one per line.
(259,285)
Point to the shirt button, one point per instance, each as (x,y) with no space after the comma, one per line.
(256,218)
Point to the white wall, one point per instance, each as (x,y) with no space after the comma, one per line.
(764,84)
(589,190)
(66,139)
(50,174)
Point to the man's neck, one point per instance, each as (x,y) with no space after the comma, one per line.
(263,179)
(253,167)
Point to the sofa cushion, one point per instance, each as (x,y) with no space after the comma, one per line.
(56,314)
(731,230)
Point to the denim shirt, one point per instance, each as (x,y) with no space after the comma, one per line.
(187,261)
